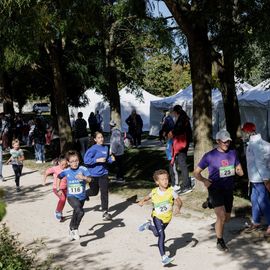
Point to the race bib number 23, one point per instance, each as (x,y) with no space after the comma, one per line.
(226,171)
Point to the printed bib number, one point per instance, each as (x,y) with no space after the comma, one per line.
(161,209)
(75,189)
(226,171)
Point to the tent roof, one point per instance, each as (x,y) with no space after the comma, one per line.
(256,96)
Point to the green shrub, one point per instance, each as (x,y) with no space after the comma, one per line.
(13,256)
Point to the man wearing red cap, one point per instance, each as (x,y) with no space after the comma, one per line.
(258,158)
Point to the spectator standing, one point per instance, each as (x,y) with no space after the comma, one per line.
(117,148)
(38,140)
(182,136)
(92,121)
(257,155)
(167,125)
(135,125)
(81,134)
(99,120)
(18,127)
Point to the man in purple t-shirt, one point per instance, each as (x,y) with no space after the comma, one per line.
(222,164)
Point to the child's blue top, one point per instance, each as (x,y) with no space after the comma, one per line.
(95,168)
(75,187)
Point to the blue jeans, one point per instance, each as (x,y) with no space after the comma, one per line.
(39,151)
(260,203)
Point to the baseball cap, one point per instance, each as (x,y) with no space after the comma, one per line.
(223,135)
(249,127)
(112,123)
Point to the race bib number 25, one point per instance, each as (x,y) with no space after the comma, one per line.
(226,171)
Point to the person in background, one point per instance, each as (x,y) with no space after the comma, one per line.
(81,133)
(182,136)
(55,171)
(222,163)
(135,125)
(16,159)
(258,158)
(92,122)
(96,159)
(167,125)
(99,120)
(117,148)
(38,140)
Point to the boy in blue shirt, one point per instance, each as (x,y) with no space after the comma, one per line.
(76,177)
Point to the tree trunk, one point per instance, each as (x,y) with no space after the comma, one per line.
(111,72)
(6,94)
(230,101)
(196,32)
(59,93)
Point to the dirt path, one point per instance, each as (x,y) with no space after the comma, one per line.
(118,244)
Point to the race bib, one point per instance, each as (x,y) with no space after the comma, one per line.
(226,171)
(163,208)
(75,189)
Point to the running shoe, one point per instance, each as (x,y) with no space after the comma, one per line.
(176,188)
(18,189)
(106,216)
(221,245)
(166,260)
(253,228)
(71,235)
(145,226)
(76,235)
(185,191)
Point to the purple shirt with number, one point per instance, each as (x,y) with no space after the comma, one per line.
(221,168)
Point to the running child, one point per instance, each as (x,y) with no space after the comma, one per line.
(163,198)
(55,171)
(16,160)
(76,176)
(96,159)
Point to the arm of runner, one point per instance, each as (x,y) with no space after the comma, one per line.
(144,200)
(197,174)
(59,191)
(82,177)
(177,205)
(239,171)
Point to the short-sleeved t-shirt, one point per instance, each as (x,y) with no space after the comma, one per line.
(221,168)
(16,154)
(75,187)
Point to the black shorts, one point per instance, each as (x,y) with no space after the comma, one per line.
(221,197)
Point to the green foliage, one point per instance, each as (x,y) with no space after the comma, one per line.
(2,206)
(14,256)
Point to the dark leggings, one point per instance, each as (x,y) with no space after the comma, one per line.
(159,231)
(78,212)
(18,172)
(101,183)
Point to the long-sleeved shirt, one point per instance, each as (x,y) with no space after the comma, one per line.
(95,168)
(257,155)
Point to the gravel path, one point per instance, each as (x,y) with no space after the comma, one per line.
(118,244)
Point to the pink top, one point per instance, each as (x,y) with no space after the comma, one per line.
(56,170)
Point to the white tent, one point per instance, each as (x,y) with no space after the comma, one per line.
(128,102)
(183,98)
(254,106)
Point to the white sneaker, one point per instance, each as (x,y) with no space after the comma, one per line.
(76,235)
(166,260)
(176,188)
(38,162)
(71,234)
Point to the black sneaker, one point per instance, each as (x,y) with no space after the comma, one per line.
(18,189)
(107,216)
(221,245)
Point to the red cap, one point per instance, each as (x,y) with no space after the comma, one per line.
(249,127)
